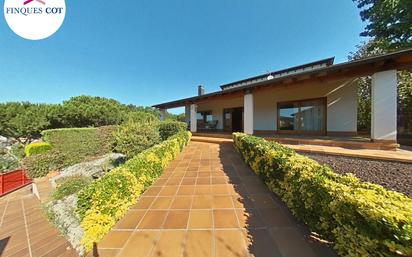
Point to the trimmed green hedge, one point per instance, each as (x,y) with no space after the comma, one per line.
(80,142)
(37,148)
(101,204)
(134,137)
(170,128)
(69,146)
(40,165)
(362,219)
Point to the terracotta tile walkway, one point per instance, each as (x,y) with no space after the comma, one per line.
(25,231)
(209,203)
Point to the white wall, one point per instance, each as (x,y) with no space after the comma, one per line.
(217,106)
(341,104)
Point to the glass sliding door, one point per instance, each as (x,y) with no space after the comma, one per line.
(306,116)
(312,115)
(288,116)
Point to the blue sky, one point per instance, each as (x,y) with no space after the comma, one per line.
(150,51)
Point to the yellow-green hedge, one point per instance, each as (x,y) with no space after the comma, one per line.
(362,219)
(101,204)
(37,148)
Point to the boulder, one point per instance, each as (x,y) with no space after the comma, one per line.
(5,143)
(66,220)
(95,168)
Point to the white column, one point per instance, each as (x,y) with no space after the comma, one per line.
(384,105)
(193,119)
(248,114)
(162,114)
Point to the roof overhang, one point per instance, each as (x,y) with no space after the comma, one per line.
(400,60)
(307,66)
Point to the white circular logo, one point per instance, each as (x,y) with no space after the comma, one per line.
(34,19)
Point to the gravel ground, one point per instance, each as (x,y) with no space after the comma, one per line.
(394,176)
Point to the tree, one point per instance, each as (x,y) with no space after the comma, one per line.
(389,28)
(181,117)
(364,91)
(26,120)
(389,22)
(88,111)
(29,123)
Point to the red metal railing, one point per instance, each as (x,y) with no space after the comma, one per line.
(13,180)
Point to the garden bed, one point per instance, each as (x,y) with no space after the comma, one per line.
(393,176)
(360,219)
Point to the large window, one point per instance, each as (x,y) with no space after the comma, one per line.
(302,116)
(206,120)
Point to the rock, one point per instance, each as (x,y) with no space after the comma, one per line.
(95,169)
(66,220)
(3,139)
(5,143)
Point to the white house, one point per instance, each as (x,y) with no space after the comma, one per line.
(317,99)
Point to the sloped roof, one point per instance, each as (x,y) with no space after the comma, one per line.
(399,60)
(280,73)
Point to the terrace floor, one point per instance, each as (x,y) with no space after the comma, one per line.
(25,230)
(402,154)
(209,203)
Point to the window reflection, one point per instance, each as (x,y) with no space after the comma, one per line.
(206,120)
(307,115)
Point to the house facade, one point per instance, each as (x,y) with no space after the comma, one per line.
(318,98)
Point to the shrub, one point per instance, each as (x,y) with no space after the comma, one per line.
(37,148)
(102,203)
(39,165)
(141,117)
(8,162)
(11,159)
(70,146)
(79,144)
(133,137)
(109,194)
(17,150)
(170,128)
(70,185)
(362,219)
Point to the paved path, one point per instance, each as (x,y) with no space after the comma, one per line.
(25,230)
(209,203)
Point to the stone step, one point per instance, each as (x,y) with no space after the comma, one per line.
(212,140)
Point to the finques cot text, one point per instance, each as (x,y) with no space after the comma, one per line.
(33,10)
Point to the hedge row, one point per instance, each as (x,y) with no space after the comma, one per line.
(362,219)
(170,128)
(101,204)
(69,146)
(37,148)
(80,142)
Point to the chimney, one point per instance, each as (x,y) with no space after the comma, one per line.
(200,90)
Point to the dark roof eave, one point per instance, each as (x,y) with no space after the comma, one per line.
(336,67)
(327,61)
